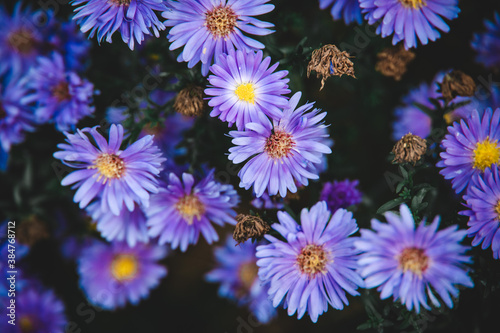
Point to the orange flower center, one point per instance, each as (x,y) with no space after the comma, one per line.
(110,166)
(417,4)
(247,273)
(312,260)
(61,91)
(221,21)
(190,206)
(279,144)
(413,259)
(22,41)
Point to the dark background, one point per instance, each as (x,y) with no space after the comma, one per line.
(360,112)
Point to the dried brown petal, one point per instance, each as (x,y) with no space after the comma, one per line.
(457,83)
(393,61)
(189,101)
(409,149)
(31,230)
(329,60)
(249,226)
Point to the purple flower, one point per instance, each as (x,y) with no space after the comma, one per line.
(59,96)
(133,18)
(265,201)
(487,44)
(208,28)
(237,273)
(244,88)
(410,263)
(112,275)
(405,18)
(348,10)
(483,203)
(185,208)
(283,152)
(340,194)
(470,147)
(115,176)
(315,266)
(16,117)
(36,310)
(128,226)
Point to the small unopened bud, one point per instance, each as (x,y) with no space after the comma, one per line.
(189,101)
(457,83)
(409,149)
(249,226)
(329,60)
(393,61)
(31,230)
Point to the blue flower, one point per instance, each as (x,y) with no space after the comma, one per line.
(483,203)
(132,18)
(128,226)
(59,96)
(185,208)
(112,275)
(237,273)
(487,44)
(28,34)
(405,18)
(315,266)
(340,194)
(208,28)
(16,117)
(409,263)
(471,147)
(245,89)
(36,310)
(112,175)
(283,152)
(348,10)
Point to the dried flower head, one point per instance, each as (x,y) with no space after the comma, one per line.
(189,101)
(249,226)
(392,61)
(409,149)
(329,60)
(32,230)
(457,83)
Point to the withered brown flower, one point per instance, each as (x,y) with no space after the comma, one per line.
(393,61)
(409,149)
(457,83)
(189,101)
(329,60)
(249,226)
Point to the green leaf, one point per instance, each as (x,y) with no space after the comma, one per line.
(403,171)
(389,205)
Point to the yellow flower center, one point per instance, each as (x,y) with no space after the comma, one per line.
(413,3)
(247,274)
(190,206)
(279,144)
(486,154)
(246,92)
(221,21)
(312,260)
(110,166)
(413,259)
(124,267)
(26,324)
(22,41)
(497,210)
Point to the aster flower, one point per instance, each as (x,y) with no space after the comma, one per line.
(348,10)
(112,275)
(133,18)
(128,226)
(236,271)
(244,88)
(283,152)
(340,194)
(36,310)
(208,28)
(59,96)
(185,208)
(16,117)
(265,201)
(118,176)
(405,18)
(470,147)
(487,44)
(27,34)
(412,264)
(483,203)
(315,266)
